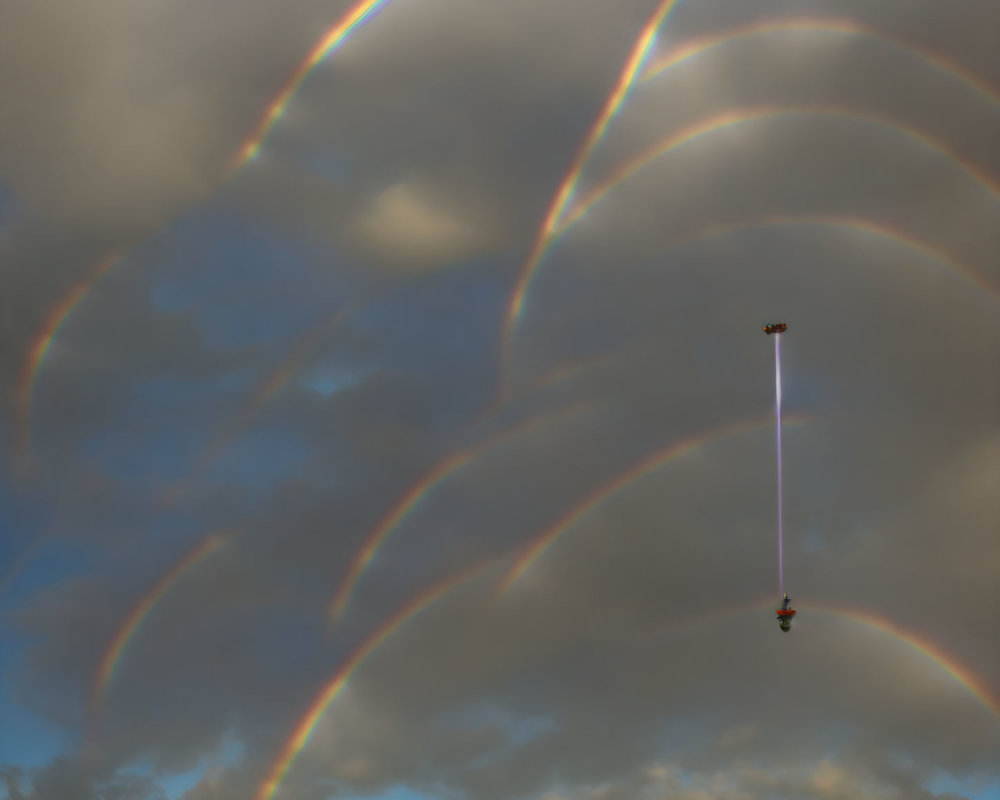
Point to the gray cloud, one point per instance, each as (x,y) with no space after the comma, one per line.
(637,657)
(402,225)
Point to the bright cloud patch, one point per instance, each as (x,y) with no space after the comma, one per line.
(409,229)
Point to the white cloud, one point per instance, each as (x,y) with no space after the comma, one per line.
(406,227)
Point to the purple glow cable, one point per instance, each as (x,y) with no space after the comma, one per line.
(777,416)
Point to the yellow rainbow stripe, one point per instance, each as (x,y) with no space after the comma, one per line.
(728,119)
(130,625)
(951,665)
(415,494)
(331,40)
(399,510)
(688,134)
(947,662)
(307,724)
(42,342)
(328,44)
(819,25)
(540,544)
(640,50)
(275,381)
(872,227)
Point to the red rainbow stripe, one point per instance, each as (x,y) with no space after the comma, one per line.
(42,342)
(141,611)
(640,50)
(848,27)
(541,543)
(416,493)
(314,713)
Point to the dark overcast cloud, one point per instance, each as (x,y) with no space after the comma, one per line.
(284,353)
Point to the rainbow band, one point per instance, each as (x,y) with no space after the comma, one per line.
(400,509)
(948,663)
(951,665)
(275,381)
(728,119)
(850,223)
(141,611)
(416,493)
(328,44)
(640,49)
(307,724)
(538,546)
(806,25)
(688,134)
(549,229)
(42,342)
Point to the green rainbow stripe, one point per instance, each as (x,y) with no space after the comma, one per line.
(314,713)
(329,43)
(42,342)
(147,603)
(389,521)
(640,50)
(274,382)
(820,25)
(541,543)
(951,665)
(920,644)
(725,119)
(410,500)
(868,226)
(728,119)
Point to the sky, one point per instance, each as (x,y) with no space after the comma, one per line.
(387,414)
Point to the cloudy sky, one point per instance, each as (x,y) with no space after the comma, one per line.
(387,412)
